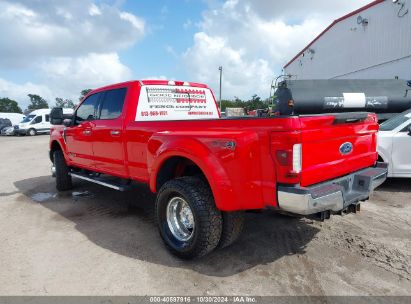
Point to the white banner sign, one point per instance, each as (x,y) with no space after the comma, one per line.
(354,100)
(175,103)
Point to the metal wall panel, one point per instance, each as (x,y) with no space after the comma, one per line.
(380,50)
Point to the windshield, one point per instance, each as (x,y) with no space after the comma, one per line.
(395,121)
(28,118)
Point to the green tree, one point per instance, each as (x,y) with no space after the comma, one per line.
(255,103)
(9,106)
(37,102)
(226,104)
(83,93)
(64,103)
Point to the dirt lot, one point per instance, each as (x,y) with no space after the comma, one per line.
(95,241)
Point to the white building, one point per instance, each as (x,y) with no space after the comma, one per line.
(373,42)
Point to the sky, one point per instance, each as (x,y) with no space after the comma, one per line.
(56,48)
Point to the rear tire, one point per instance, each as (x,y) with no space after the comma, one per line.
(205,219)
(63,178)
(31,132)
(233,223)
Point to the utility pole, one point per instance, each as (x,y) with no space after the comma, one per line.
(220,68)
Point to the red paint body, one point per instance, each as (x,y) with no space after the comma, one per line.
(244,177)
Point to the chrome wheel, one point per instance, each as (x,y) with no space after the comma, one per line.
(180,219)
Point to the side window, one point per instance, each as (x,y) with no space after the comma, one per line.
(47,117)
(37,120)
(112,103)
(406,129)
(87,109)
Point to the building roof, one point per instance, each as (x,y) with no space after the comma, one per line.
(331,25)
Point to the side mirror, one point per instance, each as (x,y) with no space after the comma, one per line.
(56,116)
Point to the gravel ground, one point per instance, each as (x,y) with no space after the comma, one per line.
(96,241)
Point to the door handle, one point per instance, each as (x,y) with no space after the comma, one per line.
(87,132)
(115,132)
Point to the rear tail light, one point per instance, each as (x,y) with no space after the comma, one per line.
(286,151)
(297,158)
(284,157)
(291,158)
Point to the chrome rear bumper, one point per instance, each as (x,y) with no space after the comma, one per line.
(334,195)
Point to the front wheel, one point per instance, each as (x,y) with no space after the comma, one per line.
(32,132)
(188,220)
(63,177)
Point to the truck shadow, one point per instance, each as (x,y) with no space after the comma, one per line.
(396,185)
(123,222)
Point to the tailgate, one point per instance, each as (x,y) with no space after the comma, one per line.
(336,144)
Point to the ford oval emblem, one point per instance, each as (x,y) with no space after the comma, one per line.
(346,148)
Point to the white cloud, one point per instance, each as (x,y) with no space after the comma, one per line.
(136,22)
(241,76)
(19,92)
(67,76)
(93,10)
(91,71)
(252,40)
(34,30)
(297,9)
(68,46)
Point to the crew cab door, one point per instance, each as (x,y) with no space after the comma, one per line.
(401,147)
(108,137)
(37,123)
(79,136)
(44,125)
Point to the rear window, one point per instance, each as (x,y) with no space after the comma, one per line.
(112,104)
(162,102)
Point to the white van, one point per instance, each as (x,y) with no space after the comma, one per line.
(15,118)
(38,122)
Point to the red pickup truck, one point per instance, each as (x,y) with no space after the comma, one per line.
(206,170)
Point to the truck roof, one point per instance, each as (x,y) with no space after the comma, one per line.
(40,111)
(153,82)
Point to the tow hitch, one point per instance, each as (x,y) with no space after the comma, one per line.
(325,215)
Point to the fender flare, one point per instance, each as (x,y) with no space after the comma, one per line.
(58,142)
(214,172)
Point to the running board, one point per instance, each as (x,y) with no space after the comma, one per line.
(100,182)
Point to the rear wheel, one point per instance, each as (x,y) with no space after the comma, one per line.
(31,132)
(188,220)
(233,223)
(63,177)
